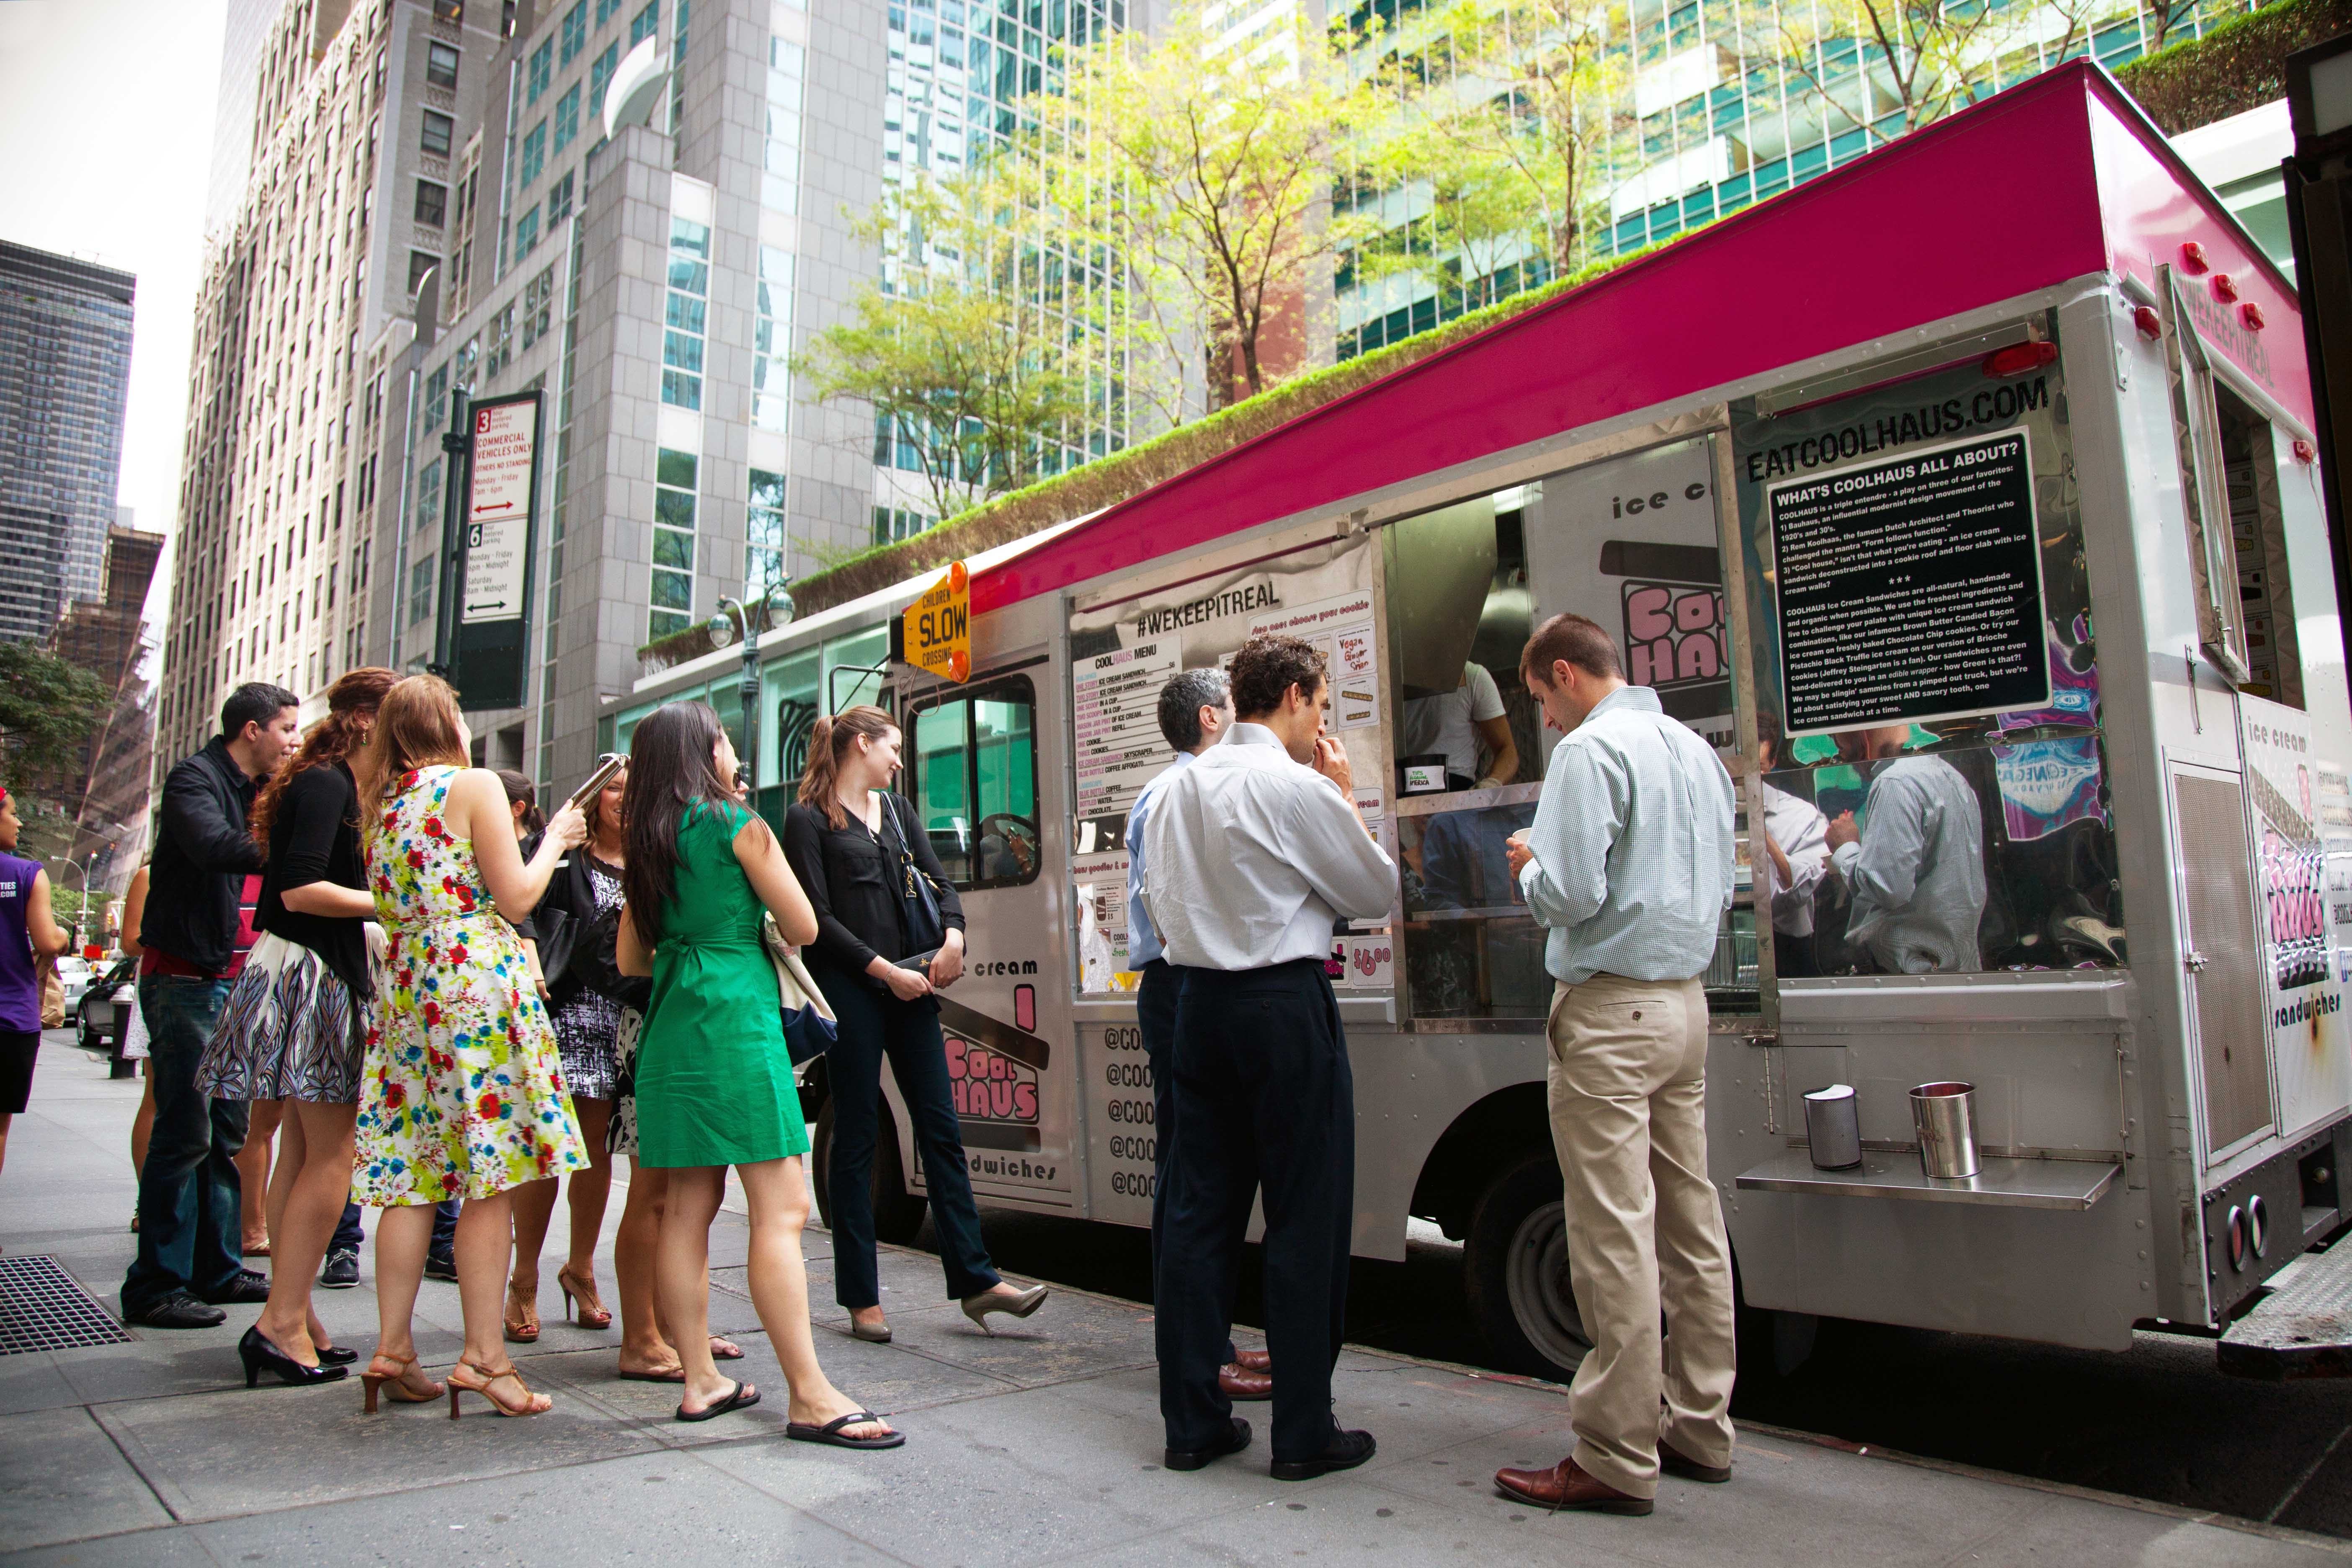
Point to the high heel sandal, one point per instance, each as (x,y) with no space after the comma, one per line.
(526,1331)
(397,1377)
(978,1308)
(260,1355)
(533,1404)
(592,1311)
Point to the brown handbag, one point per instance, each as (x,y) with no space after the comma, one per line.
(53,995)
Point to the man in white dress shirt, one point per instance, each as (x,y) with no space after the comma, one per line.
(1253,852)
(1195,711)
(1916,863)
(1629,865)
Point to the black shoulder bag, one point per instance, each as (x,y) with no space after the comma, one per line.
(918,897)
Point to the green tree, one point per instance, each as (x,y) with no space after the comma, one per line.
(958,366)
(1914,60)
(1197,158)
(48,707)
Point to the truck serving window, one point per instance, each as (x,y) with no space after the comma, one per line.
(973,755)
(1935,788)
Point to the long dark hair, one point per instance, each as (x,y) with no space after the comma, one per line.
(828,742)
(351,700)
(672,766)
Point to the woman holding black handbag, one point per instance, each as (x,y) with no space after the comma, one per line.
(585,888)
(889,931)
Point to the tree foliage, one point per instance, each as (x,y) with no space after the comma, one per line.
(48,707)
(959,367)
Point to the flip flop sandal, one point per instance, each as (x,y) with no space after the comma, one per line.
(732,1353)
(743,1398)
(676,1376)
(831,1433)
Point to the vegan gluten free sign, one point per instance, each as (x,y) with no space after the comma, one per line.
(1911,589)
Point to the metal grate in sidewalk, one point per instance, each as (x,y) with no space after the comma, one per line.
(43,1307)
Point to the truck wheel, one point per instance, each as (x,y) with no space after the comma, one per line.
(897,1213)
(1514,1268)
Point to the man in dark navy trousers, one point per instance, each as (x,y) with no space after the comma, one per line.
(1195,711)
(1253,851)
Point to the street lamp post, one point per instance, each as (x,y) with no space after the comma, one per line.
(733,620)
(82,910)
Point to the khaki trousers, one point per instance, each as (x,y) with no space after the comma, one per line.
(1627,1085)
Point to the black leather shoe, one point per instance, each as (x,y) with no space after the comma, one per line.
(1194,1458)
(1345,1452)
(441,1265)
(247,1288)
(338,1355)
(178,1310)
(259,1356)
(342,1270)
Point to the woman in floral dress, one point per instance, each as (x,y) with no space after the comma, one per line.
(463,1093)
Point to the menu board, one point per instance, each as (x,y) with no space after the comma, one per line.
(1115,707)
(1341,629)
(1910,590)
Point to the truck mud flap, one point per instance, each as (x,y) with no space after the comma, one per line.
(2302,1328)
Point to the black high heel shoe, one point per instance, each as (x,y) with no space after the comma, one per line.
(258,1352)
(337,1355)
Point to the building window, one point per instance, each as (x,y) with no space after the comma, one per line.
(643,25)
(440,65)
(542,70)
(606,10)
(892,523)
(559,200)
(780,185)
(534,153)
(437,133)
(420,262)
(450,11)
(771,335)
(437,400)
(420,591)
(567,117)
(538,302)
(599,76)
(690,286)
(673,543)
(764,542)
(431,203)
(526,233)
(428,490)
(575,31)
(501,347)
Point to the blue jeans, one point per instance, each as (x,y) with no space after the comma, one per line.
(348,1235)
(874,1025)
(189,1239)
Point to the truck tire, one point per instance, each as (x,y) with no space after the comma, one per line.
(1515,1271)
(897,1213)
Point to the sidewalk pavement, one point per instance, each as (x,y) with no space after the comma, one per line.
(1041,1443)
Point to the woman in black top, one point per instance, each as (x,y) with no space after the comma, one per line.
(844,840)
(294,1025)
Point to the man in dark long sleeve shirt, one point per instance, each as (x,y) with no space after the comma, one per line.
(189,1257)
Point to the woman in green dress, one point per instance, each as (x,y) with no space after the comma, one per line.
(714,1080)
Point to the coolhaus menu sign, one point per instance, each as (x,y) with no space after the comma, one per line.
(1910,589)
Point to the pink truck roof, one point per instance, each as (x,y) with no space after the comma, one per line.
(2061,177)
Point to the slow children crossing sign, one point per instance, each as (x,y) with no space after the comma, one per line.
(937,629)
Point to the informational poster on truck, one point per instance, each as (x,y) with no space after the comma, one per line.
(2299,804)
(1631,544)
(1123,649)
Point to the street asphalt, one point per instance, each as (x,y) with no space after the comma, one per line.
(1038,1445)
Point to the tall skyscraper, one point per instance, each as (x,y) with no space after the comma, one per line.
(297,384)
(65,374)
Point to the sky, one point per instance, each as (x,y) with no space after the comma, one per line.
(106,133)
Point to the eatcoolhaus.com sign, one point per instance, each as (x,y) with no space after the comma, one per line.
(1910,590)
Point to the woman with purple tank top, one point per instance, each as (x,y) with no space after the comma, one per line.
(27,933)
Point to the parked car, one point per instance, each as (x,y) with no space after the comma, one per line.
(75,973)
(100,1011)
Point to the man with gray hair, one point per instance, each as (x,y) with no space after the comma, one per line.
(1195,711)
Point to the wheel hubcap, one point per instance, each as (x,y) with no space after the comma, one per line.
(1537,1277)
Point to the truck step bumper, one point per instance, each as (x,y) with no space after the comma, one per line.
(2302,1328)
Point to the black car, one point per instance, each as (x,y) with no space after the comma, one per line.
(100,1014)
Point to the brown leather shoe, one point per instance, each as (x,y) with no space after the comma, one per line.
(1239,1383)
(1256,1360)
(1565,1486)
(1674,1462)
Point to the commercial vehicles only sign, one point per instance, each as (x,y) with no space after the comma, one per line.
(498,510)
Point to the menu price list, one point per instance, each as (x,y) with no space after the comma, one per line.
(1116,702)
(1911,589)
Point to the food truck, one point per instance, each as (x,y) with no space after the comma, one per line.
(1964,499)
